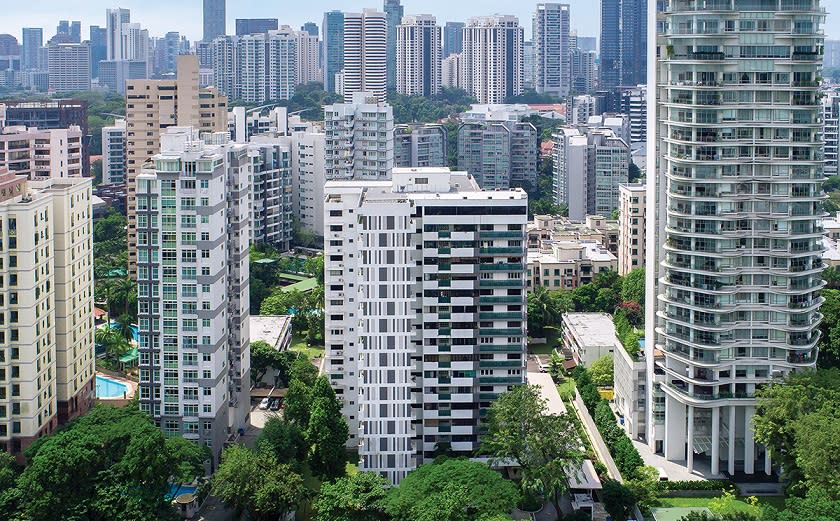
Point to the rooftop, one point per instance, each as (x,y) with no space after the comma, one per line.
(594,329)
(268,328)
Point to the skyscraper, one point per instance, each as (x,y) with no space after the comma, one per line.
(418,56)
(246,26)
(623,43)
(393,16)
(359,138)
(498,154)
(115,18)
(453,38)
(735,242)
(98,48)
(610,66)
(214,19)
(365,46)
(308,57)
(552,54)
(493,57)
(69,67)
(31,42)
(311,28)
(333,29)
(416,373)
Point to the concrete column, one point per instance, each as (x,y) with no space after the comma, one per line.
(715,441)
(690,444)
(674,445)
(731,462)
(749,442)
(768,465)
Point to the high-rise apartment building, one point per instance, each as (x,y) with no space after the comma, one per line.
(31,41)
(308,57)
(589,165)
(48,310)
(393,17)
(192,280)
(493,58)
(365,52)
(151,107)
(246,26)
(584,71)
(418,372)
(271,191)
(333,37)
(214,14)
(115,19)
(418,56)
(634,104)
(359,138)
(451,74)
(308,163)
(528,62)
(453,38)
(69,67)
(420,146)
(42,154)
(735,242)
(831,130)
(259,67)
(113,153)
(623,43)
(499,154)
(632,205)
(552,54)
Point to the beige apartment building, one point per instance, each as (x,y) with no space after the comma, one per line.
(568,264)
(151,107)
(46,306)
(42,153)
(631,227)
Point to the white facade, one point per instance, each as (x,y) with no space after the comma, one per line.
(831,129)
(632,205)
(308,58)
(365,46)
(552,54)
(192,274)
(359,138)
(734,258)
(271,192)
(42,154)
(451,74)
(256,68)
(493,58)
(581,108)
(415,373)
(308,178)
(113,153)
(115,19)
(569,263)
(629,377)
(418,56)
(589,336)
(69,67)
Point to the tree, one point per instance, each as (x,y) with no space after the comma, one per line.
(816,506)
(298,403)
(327,432)
(263,357)
(189,457)
(543,310)
(360,497)
(645,487)
(285,440)
(618,500)
(314,266)
(601,371)
(454,490)
(253,481)
(633,287)
(553,452)
(303,370)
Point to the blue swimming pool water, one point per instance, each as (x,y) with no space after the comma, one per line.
(134,330)
(107,388)
(176,490)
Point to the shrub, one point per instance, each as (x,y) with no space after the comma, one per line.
(712,484)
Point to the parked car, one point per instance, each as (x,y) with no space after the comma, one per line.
(275,404)
(265,403)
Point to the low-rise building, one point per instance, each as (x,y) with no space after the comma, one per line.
(629,377)
(568,264)
(589,336)
(547,228)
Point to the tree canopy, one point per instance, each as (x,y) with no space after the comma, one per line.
(601,371)
(360,497)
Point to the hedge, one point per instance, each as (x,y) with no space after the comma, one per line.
(712,484)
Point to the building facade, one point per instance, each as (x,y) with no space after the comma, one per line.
(451,74)
(420,145)
(831,129)
(418,56)
(333,38)
(453,38)
(359,138)
(69,67)
(416,373)
(393,15)
(307,57)
(32,40)
(365,53)
(113,153)
(499,154)
(552,54)
(493,58)
(632,208)
(246,26)
(42,154)
(214,14)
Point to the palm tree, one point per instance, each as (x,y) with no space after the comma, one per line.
(542,309)
(125,330)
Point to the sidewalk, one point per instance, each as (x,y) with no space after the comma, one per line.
(595,437)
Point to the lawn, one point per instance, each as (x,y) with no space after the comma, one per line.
(551,336)
(566,388)
(299,345)
(738,505)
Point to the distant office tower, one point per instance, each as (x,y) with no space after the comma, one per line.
(587,43)
(115,19)
(493,58)
(48,295)
(32,41)
(246,26)
(552,54)
(113,153)
(53,114)
(418,56)
(632,199)
(214,19)
(610,57)
(528,58)
(359,138)
(420,146)
(69,66)
(634,104)
(623,43)
(311,28)
(42,153)
(589,165)
(402,364)
(583,71)
(831,130)
(451,74)
(333,29)
(98,48)
(499,154)
(308,57)
(393,17)
(453,38)
(365,45)
(153,105)
(734,224)
(68,32)
(256,68)
(113,74)
(832,54)
(193,310)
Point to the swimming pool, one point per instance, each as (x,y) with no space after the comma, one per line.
(107,388)
(135,332)
(176,490)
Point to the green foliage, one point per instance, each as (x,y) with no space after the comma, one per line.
(263,357)
(298,403)
(710,484)
(327,432)
(601,371)
(360,497)
(255,482)
(545,308)
(625,333)
(454,490)
(421,109)
(633,287)
(645,487)
(285,440)
(816,506)
(706,516)
(634,174)
(532,96)
(830,326)
(618,500)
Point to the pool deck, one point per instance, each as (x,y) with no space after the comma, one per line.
(132,389)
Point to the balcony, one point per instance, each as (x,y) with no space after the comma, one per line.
(501,250)
(501,267)
(506,331)
(499,379)
(501,283)
(499,315)
(500,348)
(512,299)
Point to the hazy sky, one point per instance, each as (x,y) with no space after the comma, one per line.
(161,16)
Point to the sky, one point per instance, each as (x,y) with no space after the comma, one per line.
(184,16)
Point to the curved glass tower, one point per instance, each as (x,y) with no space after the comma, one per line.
(740,241)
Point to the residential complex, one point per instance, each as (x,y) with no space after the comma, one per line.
(546,229)
(420,145)
(498,153)
(588,336)
(42,154)
(257,68)
(568,263)
(632,208)
(307,57)
(69,67)
(359,138)
(47,296)
(418,56)
(113,153)
(552,54)
(193,203)
(735,242)
(418,372)
(493,58)
(831,129)
(365,50)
